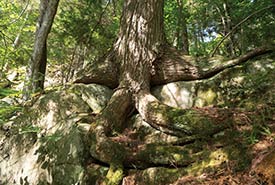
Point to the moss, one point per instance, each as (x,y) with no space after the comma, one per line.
(167,155)
(114,175)
(236,148)
(210,161)
(190,121)
(156,175)
(185,122)
(163,175)
(96,173)
(206,97)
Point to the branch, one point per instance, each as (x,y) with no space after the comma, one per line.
(235,27)
(234,62)
(171,66)
(19,16)
(174,66)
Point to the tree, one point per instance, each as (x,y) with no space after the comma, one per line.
(182,33)
(35,73)
(139,59)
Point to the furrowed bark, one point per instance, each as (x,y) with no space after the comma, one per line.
(170,66)
(144,60)
(104,72)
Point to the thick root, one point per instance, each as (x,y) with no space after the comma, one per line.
(179,122)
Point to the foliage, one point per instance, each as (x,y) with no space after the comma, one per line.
(82,32)
(249,85)
(208,21)
(5,92)
(8,111)
(16,33)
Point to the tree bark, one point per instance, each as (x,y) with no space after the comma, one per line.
(35,73)
(170,66)
(141,58)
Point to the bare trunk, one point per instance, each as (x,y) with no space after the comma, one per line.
(35,74)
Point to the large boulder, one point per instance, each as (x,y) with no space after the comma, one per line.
(238,87)
(45,145)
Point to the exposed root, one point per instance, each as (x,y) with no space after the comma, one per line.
(192,155)
(170,66)
(173,65)
(179,122)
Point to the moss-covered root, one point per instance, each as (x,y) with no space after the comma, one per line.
(114,175)
(179,122)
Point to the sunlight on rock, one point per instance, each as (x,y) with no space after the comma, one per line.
(44,154)
(179,94)
(25,166)
(47,121)
(204,98)
(96,96)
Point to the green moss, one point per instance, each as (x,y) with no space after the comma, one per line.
(96,173)
(163,154)
(190,121)
(114,175)
(185,122)
(206,97)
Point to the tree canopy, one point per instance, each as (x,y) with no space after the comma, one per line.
(85,30)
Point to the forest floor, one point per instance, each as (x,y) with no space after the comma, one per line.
(261,170)
(258,139)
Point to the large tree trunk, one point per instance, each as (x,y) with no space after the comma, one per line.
(35,73)
(139,59)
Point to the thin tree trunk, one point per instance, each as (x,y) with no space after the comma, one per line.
(182,34)
(35,74)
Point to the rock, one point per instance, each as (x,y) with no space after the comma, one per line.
(187,94)
(96,96)
(44,145)
(12,75)
(176,94)
(8,100)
